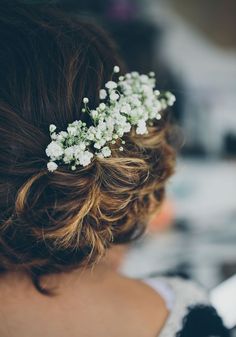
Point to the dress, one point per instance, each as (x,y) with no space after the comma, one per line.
(191,314)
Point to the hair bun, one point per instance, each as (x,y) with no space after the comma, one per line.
(56,222)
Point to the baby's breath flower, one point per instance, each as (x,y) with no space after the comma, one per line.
(131,102)
(69,152)
(52,128)
(102,106)
(135,74)
(85,158)
(72,130)
(116,69)
(164,104)
(81,146)
(157,106)
(106,152)
(54,136)
(125,108)
(142,128)
(144,78)
(54,150)
(170,98)
(52,166)
(94,114)
(97,145)
(114,96)
(102,94)
(111,85)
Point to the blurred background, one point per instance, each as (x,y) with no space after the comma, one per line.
(191,45)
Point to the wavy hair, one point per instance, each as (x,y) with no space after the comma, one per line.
(56,222)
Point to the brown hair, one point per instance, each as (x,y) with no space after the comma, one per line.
(53,222)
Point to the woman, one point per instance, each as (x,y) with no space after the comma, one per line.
(67,196)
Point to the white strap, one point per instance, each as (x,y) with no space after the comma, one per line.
(183,294)
(163,289)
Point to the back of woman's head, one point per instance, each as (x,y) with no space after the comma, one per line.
(52,222)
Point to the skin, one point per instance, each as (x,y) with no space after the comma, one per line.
(90,302)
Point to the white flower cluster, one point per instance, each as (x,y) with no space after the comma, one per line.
(130,102)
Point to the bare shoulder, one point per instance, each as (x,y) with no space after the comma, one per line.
(143,304)
(90,305)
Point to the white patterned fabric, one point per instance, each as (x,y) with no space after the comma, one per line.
(178,294)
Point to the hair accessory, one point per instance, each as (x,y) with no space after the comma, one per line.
(130,102)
